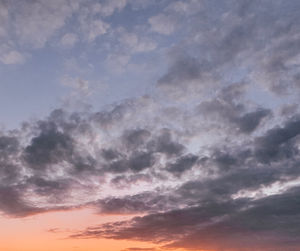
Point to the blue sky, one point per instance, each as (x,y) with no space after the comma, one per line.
(50,47)
(115,49)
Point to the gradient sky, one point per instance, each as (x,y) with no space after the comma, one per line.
(150,125)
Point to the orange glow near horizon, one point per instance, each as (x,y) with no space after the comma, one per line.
(32,233)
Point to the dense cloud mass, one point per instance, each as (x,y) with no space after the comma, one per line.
(209,160)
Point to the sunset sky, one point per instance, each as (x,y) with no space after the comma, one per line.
(149,125)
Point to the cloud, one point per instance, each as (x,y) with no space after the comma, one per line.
(209,158)
(12,57)
(12,203)
(35,24)
(38,21)
(204,203)
(182,164)
(137,43)
(278,142)
(162,24)
(165,144)
(80,86)
(249,121)
(135,138)
(137,161)
(158,227)
(206,206)
(64,146)
(255,223)
(4,14)
(118,61)
(49,147)
(185,7)
(95,29)
(140,4)
(132,204)
(245,122)
(185,69)
(217,43)
(109,7)
(69,40)
(219,226)
(229,107)
(9,169)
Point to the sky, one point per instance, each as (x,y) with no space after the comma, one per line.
(138,125)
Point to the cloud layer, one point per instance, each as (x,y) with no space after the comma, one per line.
(209,158)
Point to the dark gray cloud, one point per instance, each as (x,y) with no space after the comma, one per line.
(204,213)
(115,114)
(12,202)
(278,142)
(139,203)
(183,70)
(50,147)
(230,109)
(182,164)
(234,168)
(165,144)
(141,160)
(123,182)
(54,190)
(213,225)
(255,222)
(137,161)
(161,226)
(249,121)
(53,157)
(110,154)
(9,147)
(135,138)
(8,144)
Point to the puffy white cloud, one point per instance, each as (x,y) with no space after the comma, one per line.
(140,4)
(3,18)
(162,24)
(109,7)
(137,43)
(95,29)
(38,21)
(118,61)
(185,7)
(91,26)
(69,40)
(12,57)
(79,85)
